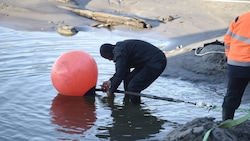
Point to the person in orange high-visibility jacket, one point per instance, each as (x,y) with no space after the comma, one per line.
(237,49)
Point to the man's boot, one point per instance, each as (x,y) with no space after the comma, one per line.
(227,114)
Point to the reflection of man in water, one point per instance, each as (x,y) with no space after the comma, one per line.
(131,122)
(74,115)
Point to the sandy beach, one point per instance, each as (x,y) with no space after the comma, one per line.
(193,23)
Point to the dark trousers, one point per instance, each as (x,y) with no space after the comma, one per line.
(140,78)
(232,100)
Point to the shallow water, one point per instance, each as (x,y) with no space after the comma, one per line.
(31,109)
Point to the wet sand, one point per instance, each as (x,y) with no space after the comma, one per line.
(195,21)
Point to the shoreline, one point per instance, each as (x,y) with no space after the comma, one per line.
(194,19)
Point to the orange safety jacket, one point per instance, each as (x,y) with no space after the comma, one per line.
(237,41)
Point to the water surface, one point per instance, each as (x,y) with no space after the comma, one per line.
(31,109)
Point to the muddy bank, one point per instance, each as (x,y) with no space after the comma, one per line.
(205,65)
(197,128)
(202,64)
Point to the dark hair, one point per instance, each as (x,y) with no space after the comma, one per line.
(106,51)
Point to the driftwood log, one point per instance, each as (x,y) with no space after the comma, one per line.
(109,18)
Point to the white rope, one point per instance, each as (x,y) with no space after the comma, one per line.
(209,52)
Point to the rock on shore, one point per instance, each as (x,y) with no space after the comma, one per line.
(197,128)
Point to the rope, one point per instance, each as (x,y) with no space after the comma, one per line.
(209,52)
(198,104)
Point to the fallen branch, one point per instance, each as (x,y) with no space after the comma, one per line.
(109,18)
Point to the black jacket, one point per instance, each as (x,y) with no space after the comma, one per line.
(130,54)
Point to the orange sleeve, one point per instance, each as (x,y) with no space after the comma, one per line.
(228,37)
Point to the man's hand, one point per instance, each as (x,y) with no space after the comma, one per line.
(105,86)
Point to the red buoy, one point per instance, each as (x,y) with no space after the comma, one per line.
(74,73)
